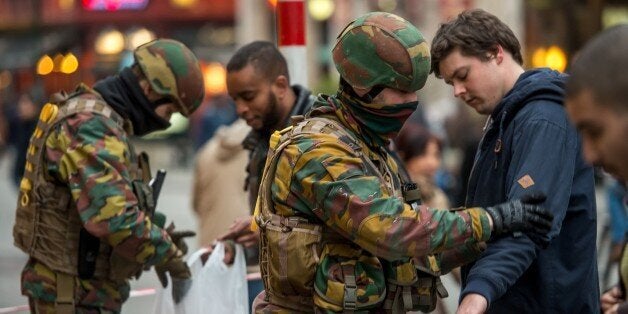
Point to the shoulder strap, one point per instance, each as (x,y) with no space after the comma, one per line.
(280,140)
(77,104)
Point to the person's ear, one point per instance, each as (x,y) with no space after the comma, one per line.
(499,54)
(281,85)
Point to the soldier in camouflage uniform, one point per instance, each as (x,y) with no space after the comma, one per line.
(83,210)
(341,227)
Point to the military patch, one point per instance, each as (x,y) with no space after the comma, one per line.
(526,181)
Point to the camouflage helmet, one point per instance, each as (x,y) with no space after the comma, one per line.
(382,49)
(172,71)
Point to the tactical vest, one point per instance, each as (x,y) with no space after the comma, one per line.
(47,225)
(294,249)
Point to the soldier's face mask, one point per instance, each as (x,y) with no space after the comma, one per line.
(385,114)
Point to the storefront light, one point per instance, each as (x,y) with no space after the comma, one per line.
(556,59)
(69,64)
(553,57)
(66,4)
(109,42)
(538,57)
(45,65)
(215,77)
(57,60)
(139,37)
(183,3)
(320,10)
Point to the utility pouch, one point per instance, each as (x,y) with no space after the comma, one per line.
(294,256)
(410,289)
(348,279)
(428,288)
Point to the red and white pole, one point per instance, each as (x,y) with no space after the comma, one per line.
(291,37)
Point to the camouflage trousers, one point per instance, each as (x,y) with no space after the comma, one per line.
(38,306)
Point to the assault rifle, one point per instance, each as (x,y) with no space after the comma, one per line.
(155,184)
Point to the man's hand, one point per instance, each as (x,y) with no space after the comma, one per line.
(179,236)
(180,275)
(240,232)
(610,299)
(472,303)
(229,252)
(523,215)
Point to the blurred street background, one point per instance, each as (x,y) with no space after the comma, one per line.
(52,45)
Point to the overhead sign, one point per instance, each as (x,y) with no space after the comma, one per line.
(114,5)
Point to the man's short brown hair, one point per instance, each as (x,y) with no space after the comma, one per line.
(476,33)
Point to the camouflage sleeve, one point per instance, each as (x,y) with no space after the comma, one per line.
(320,176)
(90,153)
(459,256)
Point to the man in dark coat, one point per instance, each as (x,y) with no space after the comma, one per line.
(528,146)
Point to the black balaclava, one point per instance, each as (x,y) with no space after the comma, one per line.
(124,94)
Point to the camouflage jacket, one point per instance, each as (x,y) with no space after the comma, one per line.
(91,155)
(319,177)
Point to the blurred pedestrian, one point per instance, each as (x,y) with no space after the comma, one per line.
(597,102)
(339,224)
(84,209)
(218,195)
(528,146)
(20,126)
(420,150)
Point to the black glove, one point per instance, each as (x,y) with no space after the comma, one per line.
(180,275)
(523,215)
(179,236)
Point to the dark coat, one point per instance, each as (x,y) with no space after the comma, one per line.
(529,145)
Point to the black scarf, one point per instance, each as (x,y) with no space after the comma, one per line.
(123,93)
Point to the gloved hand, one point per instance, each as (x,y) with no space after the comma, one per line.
(180,275)
(179,236)
(523,215)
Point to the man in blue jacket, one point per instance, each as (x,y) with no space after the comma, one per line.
(528,146)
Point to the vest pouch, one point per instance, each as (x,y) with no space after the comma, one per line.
(52,244)
(428,288)
(348,278)
(293,255)
(410,288)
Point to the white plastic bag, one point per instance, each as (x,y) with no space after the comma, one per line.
(216,287)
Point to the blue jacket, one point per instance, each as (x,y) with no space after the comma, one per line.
(529,145)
